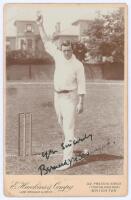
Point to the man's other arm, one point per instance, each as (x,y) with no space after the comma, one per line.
(81,88)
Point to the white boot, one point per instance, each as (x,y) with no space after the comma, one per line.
(64,167)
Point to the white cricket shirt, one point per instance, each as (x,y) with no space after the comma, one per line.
(69,74)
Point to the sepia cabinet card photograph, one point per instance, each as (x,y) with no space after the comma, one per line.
(65,99)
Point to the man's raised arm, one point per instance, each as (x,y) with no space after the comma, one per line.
(43,34)
(49,46)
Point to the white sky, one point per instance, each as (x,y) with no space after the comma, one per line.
(66,15)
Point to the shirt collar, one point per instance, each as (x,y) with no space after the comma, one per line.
(71,59)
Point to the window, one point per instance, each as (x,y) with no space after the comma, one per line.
(29,43)
(22,43)
(29,28)
(8,45)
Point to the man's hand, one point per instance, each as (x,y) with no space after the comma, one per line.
(79,108)
(39,19)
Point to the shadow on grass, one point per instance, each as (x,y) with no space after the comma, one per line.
(92,158)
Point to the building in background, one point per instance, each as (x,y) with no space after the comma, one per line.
(76,32)
(82,26)
(71,34)
(27,38)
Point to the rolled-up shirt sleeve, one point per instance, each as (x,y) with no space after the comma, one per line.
(81,83)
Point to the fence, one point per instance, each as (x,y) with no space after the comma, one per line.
(108,71)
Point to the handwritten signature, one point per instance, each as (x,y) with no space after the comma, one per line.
(45,170)
(50,152)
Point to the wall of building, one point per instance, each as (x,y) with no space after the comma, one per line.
(27,35)
(83,27)
(22,27)
(11,43)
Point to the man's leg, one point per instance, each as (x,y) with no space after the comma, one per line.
(57,109)
(68,109)
(68,128)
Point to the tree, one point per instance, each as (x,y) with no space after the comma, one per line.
(95,34)
(114,34)
(106,36)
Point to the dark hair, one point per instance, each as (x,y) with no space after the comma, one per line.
(66,43)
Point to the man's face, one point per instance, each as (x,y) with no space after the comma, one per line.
(67,51)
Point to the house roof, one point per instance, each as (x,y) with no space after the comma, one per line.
(10,37)
(11,34)
(80,20)
(25,21)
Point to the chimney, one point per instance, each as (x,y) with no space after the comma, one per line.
(57,27)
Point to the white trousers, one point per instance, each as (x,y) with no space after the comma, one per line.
(65,106)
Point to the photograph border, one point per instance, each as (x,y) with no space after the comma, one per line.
(9,178)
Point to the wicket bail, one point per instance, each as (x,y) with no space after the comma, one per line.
(24,134)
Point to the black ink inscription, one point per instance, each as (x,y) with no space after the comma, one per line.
(46,170)
(48,153)
(76,141)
